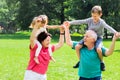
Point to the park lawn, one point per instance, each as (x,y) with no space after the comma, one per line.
(14,56)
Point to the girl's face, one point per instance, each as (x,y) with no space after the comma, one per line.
(96,17)
(46,42)
(39,20)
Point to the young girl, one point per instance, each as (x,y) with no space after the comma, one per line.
(97,24)
(43,19)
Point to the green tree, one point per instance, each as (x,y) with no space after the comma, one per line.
(54,9)
(8,14)
(80,9)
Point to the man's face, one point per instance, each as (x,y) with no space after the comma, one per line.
(88,38)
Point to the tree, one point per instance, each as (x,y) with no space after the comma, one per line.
(80,9)
(8,14)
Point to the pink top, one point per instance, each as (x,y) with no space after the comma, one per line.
(44,59)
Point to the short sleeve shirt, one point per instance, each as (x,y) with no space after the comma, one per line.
(89,66)
(43,57)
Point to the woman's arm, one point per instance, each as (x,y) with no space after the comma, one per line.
(33,34)
(61,39)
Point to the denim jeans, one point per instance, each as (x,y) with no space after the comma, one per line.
(95,78)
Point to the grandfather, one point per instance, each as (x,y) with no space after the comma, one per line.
(89,67)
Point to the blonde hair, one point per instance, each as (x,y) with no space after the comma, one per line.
(44,20)
(96,9)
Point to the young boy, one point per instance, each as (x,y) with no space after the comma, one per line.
(97,24)
(43,19)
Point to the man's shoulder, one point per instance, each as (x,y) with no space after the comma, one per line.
(74,43)
(104,50)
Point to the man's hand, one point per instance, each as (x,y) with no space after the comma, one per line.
(66,24)
(116,36)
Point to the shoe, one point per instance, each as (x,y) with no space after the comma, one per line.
(77,65)
(102,66)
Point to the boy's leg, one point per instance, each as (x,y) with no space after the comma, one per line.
(77,48)
(98,46)
(76,65)
(102,65)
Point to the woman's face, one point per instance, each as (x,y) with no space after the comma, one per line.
(46,42)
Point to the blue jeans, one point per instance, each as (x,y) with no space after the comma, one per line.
(95,78)
(97,43)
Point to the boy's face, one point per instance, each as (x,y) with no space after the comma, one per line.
(96,17)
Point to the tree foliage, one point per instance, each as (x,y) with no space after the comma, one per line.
(8,14)
(21,12)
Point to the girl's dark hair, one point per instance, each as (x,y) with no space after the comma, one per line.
(42,36)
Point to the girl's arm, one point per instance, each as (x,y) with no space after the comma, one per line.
(53,26)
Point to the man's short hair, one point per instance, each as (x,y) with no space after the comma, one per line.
(93,34)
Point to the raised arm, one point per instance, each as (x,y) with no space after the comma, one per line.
(61,39)
(79,22)
(111,49)
(105,25)
(33,34)
(67,34)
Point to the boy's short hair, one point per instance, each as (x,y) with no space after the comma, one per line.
(96,9)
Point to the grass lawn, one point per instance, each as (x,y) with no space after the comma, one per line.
(14,56)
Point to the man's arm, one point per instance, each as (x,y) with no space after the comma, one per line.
(67,35)
(111,49)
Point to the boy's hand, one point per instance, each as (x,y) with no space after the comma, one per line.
(117,34)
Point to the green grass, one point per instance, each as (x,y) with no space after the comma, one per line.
(14,56)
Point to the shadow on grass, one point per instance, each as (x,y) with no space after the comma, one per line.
(14,36)
(117,50)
